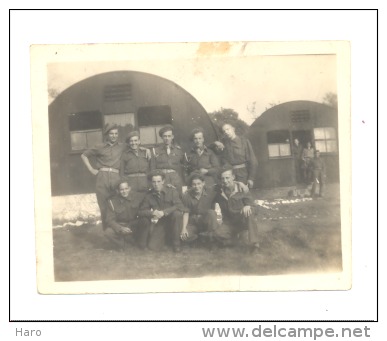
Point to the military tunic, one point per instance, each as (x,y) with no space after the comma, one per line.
(319,175)
(205,158)
(240,155)
(134,167)
(234,222)
(171,163)
(202,217)
(153,234)
(121,212)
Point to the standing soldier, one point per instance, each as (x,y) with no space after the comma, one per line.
(108,159)
(297,155)
(237,151)
(169,158)
(307,157)
(202,160)
(319,174)
(135,163)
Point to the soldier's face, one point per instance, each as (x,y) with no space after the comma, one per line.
(157,183)
(168,138)
(198,140)
(124,190)
(227,178)
(197,185)
(113,135)
(134,142)
(229,131)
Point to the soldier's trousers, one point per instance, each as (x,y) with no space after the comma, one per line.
(105,188)
(167,230)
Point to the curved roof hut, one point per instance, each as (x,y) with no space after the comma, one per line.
(133,100)
(272,137)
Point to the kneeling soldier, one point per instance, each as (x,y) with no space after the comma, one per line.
(121,216)
(161,212)
(199,216)
(238,211)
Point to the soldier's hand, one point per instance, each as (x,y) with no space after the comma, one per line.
(148,153)
(246,211)
(158,214)
(250,183)
(125,230)
(184,234)
(203,171)
(219,145)
(94,171)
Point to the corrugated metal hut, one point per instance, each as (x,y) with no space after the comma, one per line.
(133,100)
(272,135)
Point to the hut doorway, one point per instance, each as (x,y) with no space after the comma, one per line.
(303,136)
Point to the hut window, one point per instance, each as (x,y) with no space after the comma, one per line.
(325,140)
(150,120)
(85,129)
(278,143)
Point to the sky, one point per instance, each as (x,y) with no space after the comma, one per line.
(244,81)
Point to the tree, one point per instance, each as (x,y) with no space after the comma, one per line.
(330,98)
(226,115)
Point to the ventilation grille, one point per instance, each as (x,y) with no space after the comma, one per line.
(300,116)
(118,92)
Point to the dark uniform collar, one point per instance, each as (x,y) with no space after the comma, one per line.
(194,149)
(193,195)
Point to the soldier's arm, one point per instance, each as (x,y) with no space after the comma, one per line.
(145,208)
(86,161)
(111,219)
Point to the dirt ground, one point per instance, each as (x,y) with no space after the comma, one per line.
(297,236)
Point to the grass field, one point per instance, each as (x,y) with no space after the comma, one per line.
(295,238)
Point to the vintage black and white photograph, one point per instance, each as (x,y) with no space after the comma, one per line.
(181,167)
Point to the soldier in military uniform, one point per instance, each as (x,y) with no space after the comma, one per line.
(238,211)
(162,213)
(169,158)
(202,160)
(238,152)
(121,216)
(108,159)
(319,174)
(199,216)
(297,155)
(135,164)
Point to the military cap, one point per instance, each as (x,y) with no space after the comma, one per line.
(167,127)
(131,134)
(195,131)
(156,172)
(108,127)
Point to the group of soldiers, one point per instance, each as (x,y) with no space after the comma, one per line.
(139,190)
